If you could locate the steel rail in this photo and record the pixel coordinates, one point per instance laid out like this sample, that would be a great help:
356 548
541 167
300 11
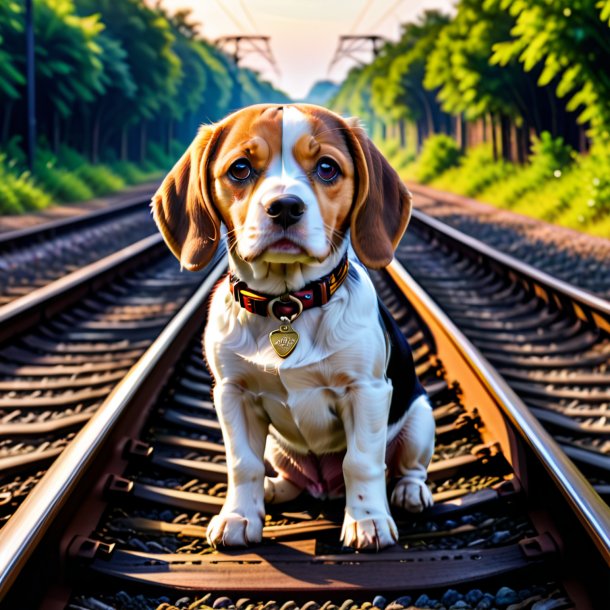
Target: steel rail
599 307
591 510
19 537
23 313
24 237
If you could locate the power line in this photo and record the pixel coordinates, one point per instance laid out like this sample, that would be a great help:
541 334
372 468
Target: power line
385 15
360 16
231 16
248 14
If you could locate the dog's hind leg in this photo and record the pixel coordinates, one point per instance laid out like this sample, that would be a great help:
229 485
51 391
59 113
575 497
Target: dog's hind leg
279 488
412 456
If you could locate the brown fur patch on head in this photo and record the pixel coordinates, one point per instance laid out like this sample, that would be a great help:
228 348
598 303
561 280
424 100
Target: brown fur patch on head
256 135
326 141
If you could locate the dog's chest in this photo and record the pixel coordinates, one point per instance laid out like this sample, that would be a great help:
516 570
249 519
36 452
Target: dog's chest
304 395
305 410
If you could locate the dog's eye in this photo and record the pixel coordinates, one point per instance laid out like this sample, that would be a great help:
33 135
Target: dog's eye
240 170
327 170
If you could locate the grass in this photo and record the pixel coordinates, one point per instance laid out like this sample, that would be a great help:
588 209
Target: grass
557 185
68 177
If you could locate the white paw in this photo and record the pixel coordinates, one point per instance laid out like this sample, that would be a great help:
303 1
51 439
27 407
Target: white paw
373 533
412 495
233 529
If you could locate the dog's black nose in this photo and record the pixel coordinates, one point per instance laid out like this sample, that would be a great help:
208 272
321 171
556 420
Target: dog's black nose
285 210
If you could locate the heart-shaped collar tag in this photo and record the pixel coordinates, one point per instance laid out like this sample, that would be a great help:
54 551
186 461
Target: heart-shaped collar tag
284 340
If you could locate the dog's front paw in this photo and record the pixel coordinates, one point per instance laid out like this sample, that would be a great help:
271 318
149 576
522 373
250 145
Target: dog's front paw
372 533
412 494
233 529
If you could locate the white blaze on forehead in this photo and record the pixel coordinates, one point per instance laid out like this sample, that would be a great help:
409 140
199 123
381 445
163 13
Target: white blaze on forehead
294 126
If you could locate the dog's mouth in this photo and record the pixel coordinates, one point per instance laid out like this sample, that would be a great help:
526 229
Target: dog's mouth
285 246
284 250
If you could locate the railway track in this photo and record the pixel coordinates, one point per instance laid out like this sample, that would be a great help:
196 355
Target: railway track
567 254
32 258
548 339
119 521
65 346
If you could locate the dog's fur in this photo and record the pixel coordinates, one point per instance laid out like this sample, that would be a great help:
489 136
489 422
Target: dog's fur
330 398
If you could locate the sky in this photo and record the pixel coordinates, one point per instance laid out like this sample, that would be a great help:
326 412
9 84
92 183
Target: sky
304 33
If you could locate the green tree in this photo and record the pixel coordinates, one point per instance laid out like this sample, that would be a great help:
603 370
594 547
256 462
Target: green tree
567 42
11 62
68 62
401 93
147 39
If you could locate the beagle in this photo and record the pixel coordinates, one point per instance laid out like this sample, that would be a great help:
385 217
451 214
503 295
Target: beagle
295 337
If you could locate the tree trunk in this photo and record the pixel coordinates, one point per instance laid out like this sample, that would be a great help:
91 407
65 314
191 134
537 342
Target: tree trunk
521 143
95 138
505 137
401 133
6 121
56 132
420 136
143 142
494 137
170 136
460 132
124 143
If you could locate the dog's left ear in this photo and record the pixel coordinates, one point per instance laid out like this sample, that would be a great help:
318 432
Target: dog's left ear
182 206
382 203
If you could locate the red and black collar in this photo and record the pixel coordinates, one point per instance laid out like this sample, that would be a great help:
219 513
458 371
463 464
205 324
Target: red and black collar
312 295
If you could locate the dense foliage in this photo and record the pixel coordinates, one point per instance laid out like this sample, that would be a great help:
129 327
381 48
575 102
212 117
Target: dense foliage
118 83
520 86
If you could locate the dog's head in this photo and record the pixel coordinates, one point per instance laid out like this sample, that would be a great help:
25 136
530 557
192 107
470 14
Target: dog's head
288 182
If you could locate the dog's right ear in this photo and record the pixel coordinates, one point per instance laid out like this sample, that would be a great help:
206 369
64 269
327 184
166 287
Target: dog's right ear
182 206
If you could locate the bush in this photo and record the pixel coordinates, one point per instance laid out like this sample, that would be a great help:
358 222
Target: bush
129 171
556 186
476 172
159 158
550 158
439 153
18 192
99 178
61 184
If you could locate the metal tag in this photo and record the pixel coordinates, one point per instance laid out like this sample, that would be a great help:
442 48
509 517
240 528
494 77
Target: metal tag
284 340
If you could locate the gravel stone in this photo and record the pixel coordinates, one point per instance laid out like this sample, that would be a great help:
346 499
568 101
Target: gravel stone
380 602
474 596
506 596
450 597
